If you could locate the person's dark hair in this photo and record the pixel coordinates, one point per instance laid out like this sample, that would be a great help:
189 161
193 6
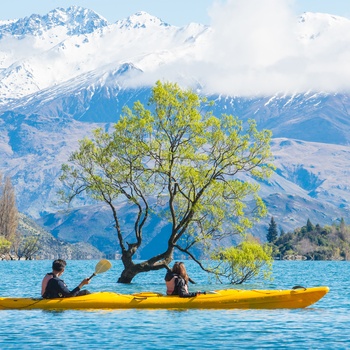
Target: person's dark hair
59 265
175 268
182 271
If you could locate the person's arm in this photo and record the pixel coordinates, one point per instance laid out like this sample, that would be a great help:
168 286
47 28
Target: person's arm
66 293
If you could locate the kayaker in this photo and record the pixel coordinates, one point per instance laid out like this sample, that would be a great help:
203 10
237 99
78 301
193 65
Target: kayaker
177 281
49 275
170 278
54 287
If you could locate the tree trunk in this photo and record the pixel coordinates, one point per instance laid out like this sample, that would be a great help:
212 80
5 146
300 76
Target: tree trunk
153 264
128 274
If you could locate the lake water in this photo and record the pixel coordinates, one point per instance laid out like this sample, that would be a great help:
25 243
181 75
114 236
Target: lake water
321 326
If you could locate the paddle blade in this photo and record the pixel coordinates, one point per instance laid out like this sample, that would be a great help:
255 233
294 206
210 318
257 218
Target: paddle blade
102 266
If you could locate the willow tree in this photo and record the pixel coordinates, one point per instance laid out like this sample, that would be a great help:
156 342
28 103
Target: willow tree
247 260
178 162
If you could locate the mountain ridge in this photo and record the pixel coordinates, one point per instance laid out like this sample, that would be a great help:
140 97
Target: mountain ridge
76 19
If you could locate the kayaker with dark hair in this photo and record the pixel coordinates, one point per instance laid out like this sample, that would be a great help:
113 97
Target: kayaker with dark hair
54 287
170 278
177 281
58 263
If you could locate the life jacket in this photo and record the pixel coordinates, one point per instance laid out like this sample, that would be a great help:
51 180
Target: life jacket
54 288
180 284
171 281
44 282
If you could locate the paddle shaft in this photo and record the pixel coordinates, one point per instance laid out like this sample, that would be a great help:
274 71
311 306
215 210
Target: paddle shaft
102 266
94 274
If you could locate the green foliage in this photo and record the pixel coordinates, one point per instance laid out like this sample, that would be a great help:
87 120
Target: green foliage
316 242
5 246
239 264
174 161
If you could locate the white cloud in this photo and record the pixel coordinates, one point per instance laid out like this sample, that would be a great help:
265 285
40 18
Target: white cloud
260 47
250 38
253 47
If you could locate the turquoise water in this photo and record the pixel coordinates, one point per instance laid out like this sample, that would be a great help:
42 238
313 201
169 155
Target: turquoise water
322 326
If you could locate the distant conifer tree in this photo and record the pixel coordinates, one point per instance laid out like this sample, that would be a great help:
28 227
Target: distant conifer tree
309 226
272 231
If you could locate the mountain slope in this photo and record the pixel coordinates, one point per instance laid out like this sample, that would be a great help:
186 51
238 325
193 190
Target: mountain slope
52 248
66 73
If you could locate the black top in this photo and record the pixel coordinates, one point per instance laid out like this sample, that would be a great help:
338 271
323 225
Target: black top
181 290
56 288
180 285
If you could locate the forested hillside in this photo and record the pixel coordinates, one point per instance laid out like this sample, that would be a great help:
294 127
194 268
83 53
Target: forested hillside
311 242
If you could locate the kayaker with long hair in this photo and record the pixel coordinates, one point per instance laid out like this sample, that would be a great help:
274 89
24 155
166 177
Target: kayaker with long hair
170 278
176 281
54 287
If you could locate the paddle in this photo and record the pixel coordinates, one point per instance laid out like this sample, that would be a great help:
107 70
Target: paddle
102 266
208 292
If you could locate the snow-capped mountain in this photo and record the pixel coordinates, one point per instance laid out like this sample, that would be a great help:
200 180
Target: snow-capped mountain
56 48
65 73
73 21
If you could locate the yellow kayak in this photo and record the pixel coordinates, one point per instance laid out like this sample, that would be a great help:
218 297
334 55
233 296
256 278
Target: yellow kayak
219 299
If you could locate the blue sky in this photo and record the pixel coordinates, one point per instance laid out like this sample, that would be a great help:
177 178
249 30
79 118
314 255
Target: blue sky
179 12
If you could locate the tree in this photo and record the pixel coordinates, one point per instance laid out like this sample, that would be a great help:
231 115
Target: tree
309 226
241 263
8 210
28 247
272 233
24 246
175 162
